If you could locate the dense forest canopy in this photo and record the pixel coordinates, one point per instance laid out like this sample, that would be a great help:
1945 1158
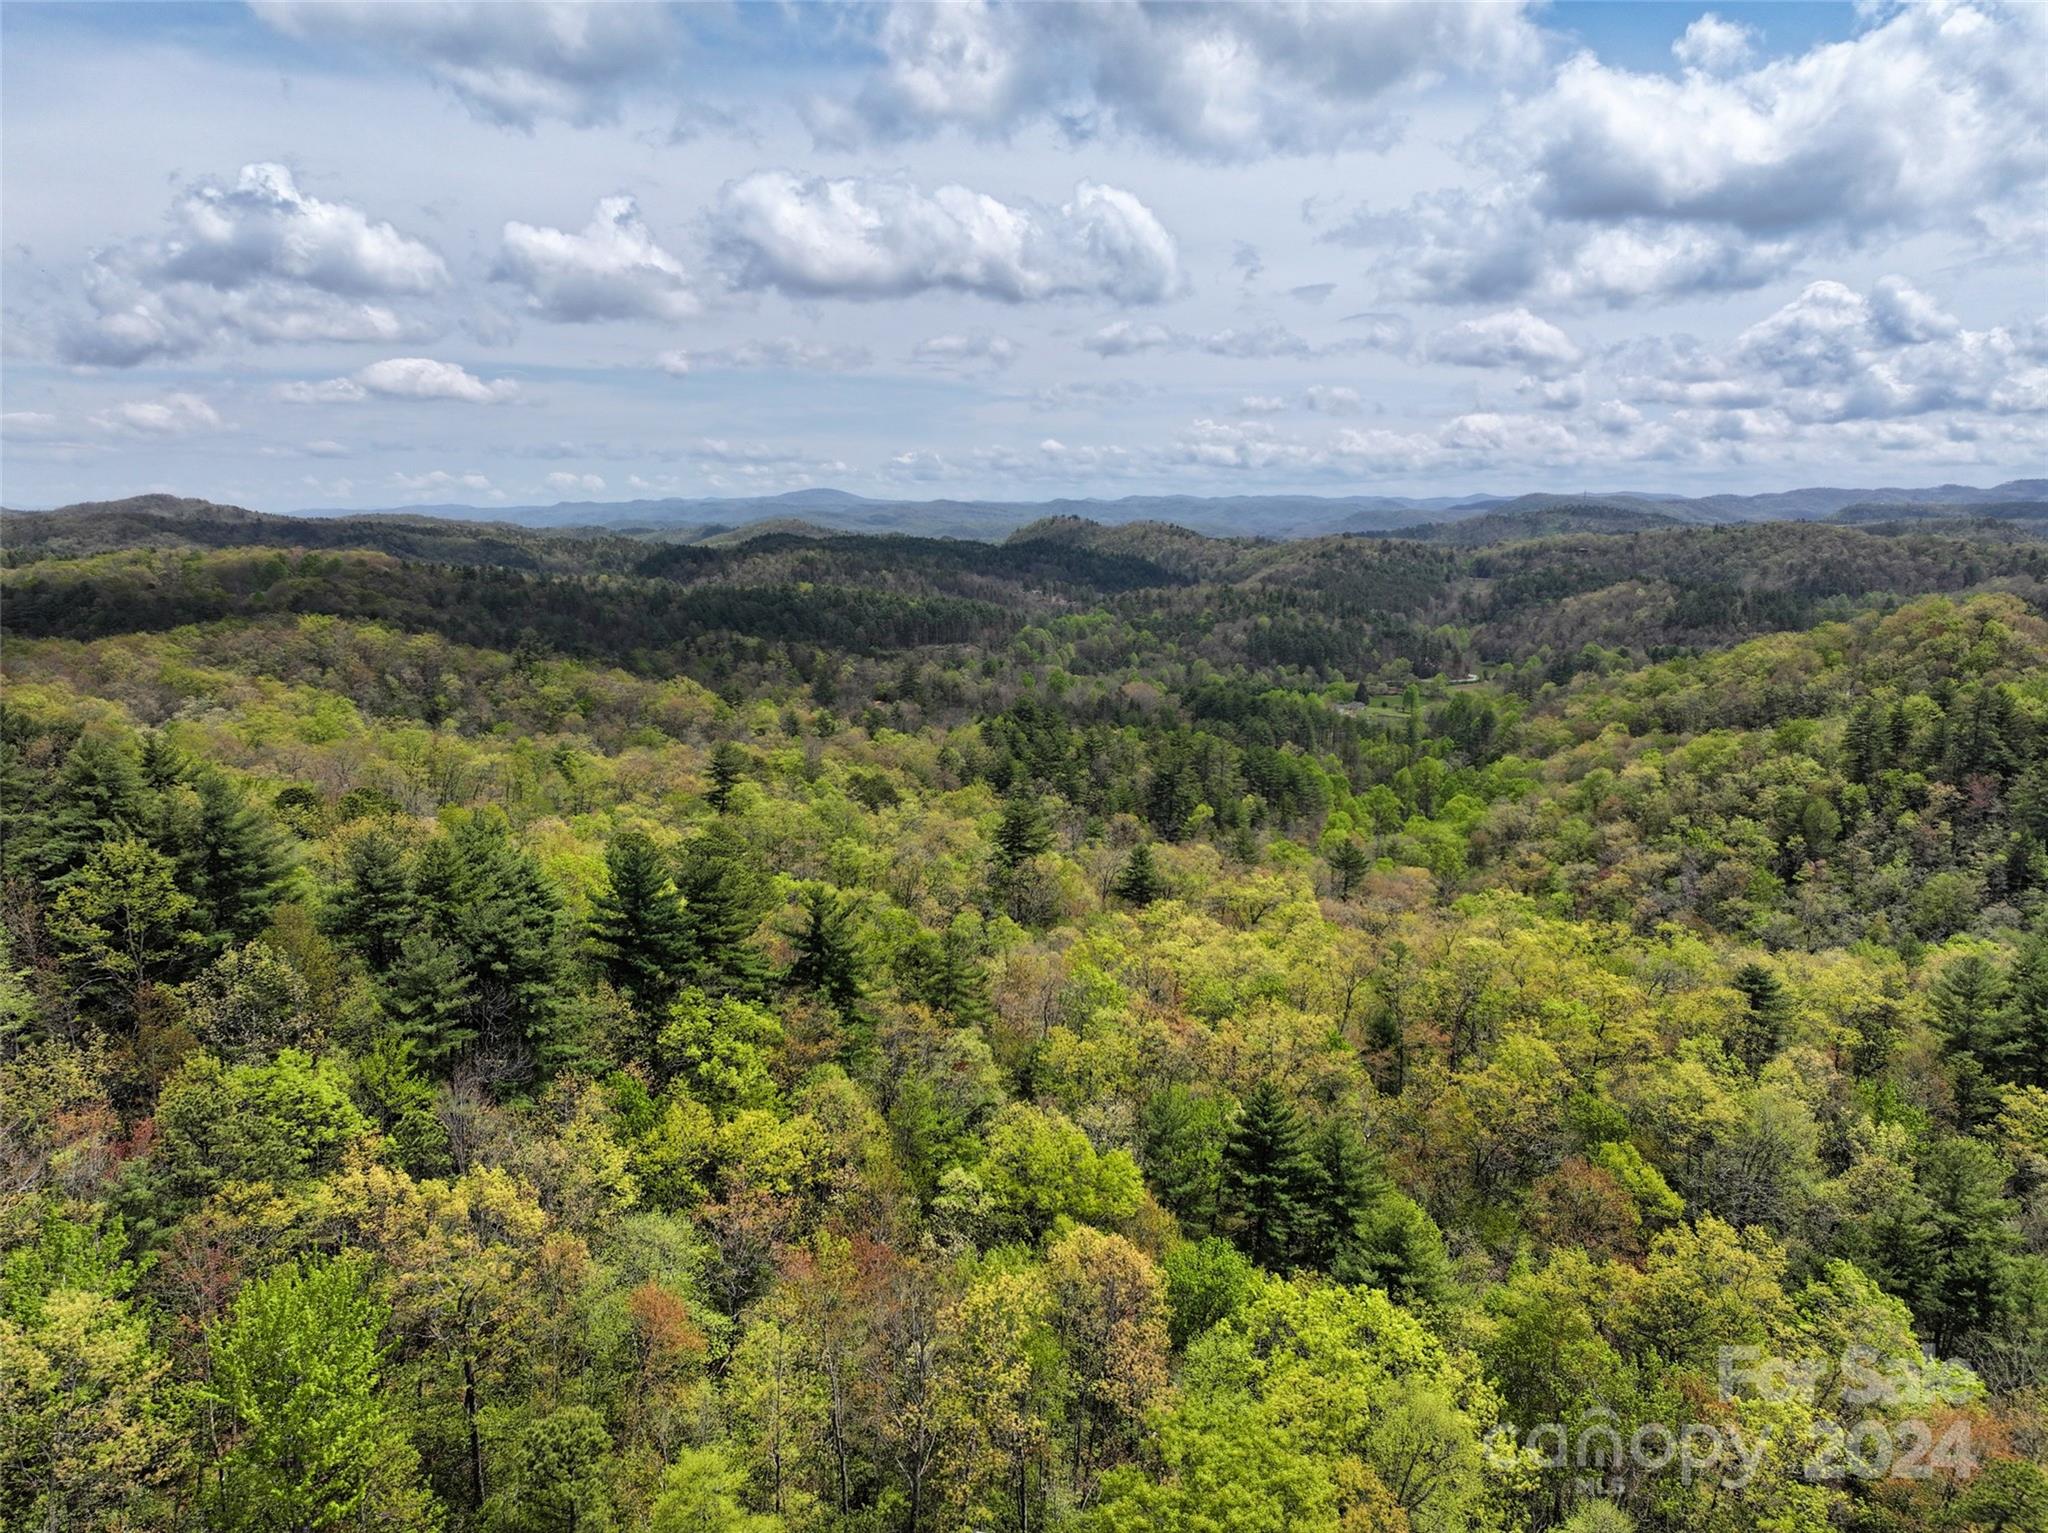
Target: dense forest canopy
1111 1030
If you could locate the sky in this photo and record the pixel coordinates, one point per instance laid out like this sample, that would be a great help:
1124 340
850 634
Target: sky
362 255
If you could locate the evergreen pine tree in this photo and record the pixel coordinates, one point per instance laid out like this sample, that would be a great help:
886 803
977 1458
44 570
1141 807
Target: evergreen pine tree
636 924
724 898
1972 1007
2027 1014
728 766
941 971
232 860
828 958
1351 1182
427 994
1972 1239
1767 1009
1397 1246
1349 862
477 890
371 910
164 766
1139 882
1272 1183
1022 833
99 797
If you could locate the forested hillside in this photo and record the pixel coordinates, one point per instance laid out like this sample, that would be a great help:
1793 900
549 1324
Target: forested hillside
1115 1030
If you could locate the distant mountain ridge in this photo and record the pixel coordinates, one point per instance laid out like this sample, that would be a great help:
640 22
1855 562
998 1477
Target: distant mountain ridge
1276 516
824 511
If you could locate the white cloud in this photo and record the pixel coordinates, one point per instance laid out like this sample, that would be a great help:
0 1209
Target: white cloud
259 261
869 238
1619 187
613 269
1218 82
511 64
1715 45
329 391
979 348
566 483
1832 356
1266 341
174 414
1333 400
783 354
1512 338
424 378
1124 337
441 482
403 378
30 425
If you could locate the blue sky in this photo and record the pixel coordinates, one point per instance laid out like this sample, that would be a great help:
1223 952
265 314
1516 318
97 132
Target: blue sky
365 255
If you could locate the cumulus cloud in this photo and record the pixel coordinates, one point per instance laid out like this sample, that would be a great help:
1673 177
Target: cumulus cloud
1833 355
174 414
781 354
979 348
403 378
567 483
514 65
1513 338
868 237
1125 337
1214 81
613 269
258 260
1333 399
1618 187
1714 44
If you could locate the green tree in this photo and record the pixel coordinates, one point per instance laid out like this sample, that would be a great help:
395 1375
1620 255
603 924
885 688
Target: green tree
1139 881
232 860
1273 1185
489 897
637 927
829 959
90 1433
729 763
702 1492
1971 1236
1349 862
122 924
724 1048
1021 833
553 1474
940 970
2027 1013
1766 1011
725 895
279 1121
1971 1005
371 911
428 995
1395 1245
309 1444
99 797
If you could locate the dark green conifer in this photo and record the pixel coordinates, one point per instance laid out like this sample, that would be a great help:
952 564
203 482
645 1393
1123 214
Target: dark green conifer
1139 882
1273 1185
636 924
